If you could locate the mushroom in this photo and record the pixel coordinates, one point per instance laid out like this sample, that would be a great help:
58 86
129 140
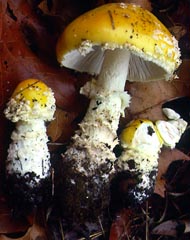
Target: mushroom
141 141
114 42
31 105
141 144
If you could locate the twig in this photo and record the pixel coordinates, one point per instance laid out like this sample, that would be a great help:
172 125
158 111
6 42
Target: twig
53 182
93 236
165 209
101 226
61 230
147 221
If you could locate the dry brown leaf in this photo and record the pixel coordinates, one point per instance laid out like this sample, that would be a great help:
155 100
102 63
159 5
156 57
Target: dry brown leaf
166 157
7 222
60 129
33 233
120 228
147 98
67 10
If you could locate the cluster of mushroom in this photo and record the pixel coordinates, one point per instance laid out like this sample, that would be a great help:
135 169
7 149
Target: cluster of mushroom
115 42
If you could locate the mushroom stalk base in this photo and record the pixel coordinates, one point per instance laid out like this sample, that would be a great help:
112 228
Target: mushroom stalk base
143 169
87 164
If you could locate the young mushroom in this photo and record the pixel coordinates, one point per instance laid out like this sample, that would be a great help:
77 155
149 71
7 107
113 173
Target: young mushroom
141 141
31 105
141 144
114 42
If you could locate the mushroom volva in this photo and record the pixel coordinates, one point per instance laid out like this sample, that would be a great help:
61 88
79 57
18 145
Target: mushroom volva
114 42
31 105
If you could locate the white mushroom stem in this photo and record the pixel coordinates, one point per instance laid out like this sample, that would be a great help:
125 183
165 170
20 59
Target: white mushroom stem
114 70
28 151
97 135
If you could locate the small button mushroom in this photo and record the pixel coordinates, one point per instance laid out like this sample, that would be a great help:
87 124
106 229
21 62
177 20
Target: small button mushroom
141 144
31 105
141 141
180 105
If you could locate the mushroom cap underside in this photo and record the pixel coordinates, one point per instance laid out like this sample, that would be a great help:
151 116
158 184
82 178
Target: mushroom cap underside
154 50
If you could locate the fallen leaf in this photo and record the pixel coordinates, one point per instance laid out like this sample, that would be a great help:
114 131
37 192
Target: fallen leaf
147 98
120 228
33 233
66 10
61 128
171 228
7 222
167 156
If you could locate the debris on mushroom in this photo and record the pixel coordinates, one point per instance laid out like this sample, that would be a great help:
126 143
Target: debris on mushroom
171 131
179 108
180 105
31 105
115 42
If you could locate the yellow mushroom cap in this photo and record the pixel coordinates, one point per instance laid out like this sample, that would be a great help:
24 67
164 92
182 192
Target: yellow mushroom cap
118 25
142 135
31 99
31 90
